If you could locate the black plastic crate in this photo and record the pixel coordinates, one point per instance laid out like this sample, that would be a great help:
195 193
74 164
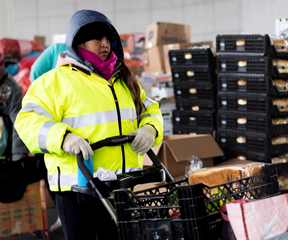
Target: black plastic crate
197 56
195 105
250 141
250 121
196 91
177 211
253 44
193 74
249 64
178 129
202 118
249 102
258 83
246 155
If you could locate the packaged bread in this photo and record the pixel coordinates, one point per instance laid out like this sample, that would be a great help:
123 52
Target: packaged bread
281 85
279 140
277 160
213 176
283 182
281 103
282 65
280 45
279 121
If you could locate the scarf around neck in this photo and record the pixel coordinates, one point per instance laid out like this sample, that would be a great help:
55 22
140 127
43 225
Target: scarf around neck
105 68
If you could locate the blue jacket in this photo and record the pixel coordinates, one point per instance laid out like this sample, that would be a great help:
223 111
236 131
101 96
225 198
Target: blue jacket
47 60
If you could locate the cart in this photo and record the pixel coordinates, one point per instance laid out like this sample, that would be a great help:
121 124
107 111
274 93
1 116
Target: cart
28 215
172 211
104 189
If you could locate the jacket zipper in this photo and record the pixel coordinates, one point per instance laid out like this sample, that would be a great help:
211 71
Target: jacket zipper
120 125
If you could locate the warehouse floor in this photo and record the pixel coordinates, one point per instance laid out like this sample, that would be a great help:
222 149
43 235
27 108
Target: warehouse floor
56 235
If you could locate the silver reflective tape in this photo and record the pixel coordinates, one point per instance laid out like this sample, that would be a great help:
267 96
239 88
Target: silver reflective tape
37 109
100 117
151 115
148 101
42 136
65 180
72 179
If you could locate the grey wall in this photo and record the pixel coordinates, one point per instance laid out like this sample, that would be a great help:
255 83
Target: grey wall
207 18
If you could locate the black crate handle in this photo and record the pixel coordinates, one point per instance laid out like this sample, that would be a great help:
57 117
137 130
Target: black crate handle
116 141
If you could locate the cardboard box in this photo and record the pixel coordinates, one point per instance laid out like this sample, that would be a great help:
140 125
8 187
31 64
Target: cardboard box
174 150
161 33
281 26
141 187
153 60
24 215
167 106
177 46
39 39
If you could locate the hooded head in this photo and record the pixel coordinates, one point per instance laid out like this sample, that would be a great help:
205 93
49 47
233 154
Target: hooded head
86 25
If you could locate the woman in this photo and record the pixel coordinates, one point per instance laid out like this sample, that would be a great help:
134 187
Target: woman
90 95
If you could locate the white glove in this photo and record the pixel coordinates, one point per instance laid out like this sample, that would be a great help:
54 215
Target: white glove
144 139
73 144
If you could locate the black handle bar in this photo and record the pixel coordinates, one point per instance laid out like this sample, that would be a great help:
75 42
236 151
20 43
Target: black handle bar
116 141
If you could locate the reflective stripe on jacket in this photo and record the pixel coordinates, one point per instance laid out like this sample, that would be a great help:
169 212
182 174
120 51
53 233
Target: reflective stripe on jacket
68 99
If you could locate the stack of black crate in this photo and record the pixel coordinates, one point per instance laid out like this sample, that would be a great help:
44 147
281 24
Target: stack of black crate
247 98
194 82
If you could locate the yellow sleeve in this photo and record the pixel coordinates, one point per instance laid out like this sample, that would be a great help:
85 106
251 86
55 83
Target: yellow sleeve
39 121
152 115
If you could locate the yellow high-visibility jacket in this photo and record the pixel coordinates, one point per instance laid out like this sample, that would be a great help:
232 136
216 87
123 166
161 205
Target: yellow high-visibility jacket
68 99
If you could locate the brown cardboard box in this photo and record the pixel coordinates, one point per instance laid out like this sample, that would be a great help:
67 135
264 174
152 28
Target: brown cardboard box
153 60
174 150
161 33
141 187
39 39
24 215
177 46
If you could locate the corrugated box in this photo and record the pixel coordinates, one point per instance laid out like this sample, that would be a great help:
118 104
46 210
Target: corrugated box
161 33
177 46
174 150
24 215
153 60
39 39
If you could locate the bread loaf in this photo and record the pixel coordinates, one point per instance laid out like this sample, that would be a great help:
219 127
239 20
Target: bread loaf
279 121
279 140
280 45
281 103
281 85
282 65
218 175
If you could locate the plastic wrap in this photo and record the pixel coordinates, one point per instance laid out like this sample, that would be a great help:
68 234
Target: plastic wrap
195 165
218 175
105 174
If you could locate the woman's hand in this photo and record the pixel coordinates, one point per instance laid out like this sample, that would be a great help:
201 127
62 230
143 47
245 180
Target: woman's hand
73 144
144 139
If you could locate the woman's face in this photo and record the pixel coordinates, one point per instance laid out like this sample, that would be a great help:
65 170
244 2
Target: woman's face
101 47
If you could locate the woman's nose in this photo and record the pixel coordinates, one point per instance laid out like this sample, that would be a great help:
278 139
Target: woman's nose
104 42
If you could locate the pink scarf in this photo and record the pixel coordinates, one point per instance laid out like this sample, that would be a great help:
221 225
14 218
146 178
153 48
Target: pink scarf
105 68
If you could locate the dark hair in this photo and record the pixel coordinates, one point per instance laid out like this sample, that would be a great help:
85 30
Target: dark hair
131 82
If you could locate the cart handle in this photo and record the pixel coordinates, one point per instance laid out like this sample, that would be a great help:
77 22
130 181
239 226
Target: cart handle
116 141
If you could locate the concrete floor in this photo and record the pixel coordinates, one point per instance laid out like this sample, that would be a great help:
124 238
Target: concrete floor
56 235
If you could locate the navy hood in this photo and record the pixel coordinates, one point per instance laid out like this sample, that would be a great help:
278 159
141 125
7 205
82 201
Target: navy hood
82 18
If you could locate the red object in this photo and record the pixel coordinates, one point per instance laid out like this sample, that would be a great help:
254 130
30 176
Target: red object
10 46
